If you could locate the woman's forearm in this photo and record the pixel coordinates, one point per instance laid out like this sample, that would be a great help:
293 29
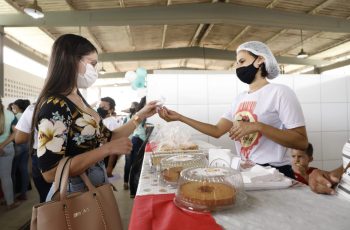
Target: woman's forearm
80 163
125 130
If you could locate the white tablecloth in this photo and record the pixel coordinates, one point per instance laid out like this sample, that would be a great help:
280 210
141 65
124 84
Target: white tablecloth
292 208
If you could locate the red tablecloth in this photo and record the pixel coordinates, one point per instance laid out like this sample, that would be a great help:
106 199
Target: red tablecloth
158 212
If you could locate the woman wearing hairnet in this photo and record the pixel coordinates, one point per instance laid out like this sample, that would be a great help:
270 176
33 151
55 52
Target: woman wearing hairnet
264 121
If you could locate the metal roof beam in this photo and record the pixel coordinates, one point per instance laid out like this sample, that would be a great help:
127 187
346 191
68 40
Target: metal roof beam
333 66
191 52
24 51
207 13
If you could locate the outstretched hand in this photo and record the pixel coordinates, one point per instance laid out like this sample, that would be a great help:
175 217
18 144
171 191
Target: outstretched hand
168 115
148 110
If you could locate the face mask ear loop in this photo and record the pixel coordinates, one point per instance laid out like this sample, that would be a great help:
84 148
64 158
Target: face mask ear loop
85 64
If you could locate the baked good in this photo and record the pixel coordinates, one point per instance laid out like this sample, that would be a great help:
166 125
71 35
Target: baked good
189 146
206 189
171 166
166 147
172 174
209 194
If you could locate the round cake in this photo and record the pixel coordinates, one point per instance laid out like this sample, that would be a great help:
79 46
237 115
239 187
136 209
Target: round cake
208 193
206 189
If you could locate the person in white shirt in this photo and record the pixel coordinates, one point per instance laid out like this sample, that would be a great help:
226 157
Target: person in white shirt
106 110
264 121
23 131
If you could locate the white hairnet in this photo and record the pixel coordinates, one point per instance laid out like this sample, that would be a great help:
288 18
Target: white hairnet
260 49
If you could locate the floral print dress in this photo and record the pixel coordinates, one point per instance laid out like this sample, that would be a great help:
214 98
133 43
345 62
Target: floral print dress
65 130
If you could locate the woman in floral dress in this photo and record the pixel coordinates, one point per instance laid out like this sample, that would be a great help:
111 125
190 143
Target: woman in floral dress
68 126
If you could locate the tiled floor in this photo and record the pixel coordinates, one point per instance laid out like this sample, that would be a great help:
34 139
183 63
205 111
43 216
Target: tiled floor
16 218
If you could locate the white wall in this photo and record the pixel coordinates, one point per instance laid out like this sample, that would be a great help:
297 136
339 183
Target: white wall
206 95
19 84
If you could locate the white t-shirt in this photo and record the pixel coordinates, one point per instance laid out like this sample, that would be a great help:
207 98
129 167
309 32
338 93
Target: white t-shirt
112 123
275 105
24 124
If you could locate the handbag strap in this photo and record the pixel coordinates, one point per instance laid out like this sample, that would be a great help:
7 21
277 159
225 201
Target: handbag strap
59 173
62 175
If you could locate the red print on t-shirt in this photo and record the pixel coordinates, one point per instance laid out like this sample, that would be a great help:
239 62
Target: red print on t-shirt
245 113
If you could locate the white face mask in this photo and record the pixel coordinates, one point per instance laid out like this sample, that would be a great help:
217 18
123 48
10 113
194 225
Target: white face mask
88 78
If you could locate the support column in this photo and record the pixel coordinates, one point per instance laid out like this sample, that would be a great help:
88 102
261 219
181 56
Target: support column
2 76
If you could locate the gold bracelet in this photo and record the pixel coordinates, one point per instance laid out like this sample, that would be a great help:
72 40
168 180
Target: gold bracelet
135 120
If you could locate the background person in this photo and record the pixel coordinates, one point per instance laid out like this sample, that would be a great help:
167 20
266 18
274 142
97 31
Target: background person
300 163
23 130
128 159
263 121
20 171
105 110
7 153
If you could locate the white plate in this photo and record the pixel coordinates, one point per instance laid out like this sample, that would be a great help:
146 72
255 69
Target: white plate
285 183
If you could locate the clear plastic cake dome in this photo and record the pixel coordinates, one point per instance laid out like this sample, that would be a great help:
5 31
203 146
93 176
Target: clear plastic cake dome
171 166
206 189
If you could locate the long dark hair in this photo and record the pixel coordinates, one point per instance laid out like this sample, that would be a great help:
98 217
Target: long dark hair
141 104
63 69
22 104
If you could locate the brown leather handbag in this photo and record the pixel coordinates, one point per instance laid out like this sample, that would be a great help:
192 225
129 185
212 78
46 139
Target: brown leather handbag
94 209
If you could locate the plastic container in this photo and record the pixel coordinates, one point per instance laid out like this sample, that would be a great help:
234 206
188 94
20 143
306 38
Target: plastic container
208 189
172 166
156 158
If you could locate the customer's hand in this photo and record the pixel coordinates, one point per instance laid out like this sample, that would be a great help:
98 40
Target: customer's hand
322 181
148 110
118 146
168 115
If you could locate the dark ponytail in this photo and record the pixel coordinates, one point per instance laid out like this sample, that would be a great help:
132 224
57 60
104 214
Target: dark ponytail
264 72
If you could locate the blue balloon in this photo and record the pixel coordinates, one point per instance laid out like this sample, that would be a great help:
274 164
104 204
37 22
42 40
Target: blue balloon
139 82
141 72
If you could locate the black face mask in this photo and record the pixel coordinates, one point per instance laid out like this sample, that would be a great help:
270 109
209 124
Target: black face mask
247 73
102 112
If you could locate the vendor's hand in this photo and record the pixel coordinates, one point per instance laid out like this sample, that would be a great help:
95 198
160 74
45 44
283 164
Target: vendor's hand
148 110
323 181
241 128
118 146
168 115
